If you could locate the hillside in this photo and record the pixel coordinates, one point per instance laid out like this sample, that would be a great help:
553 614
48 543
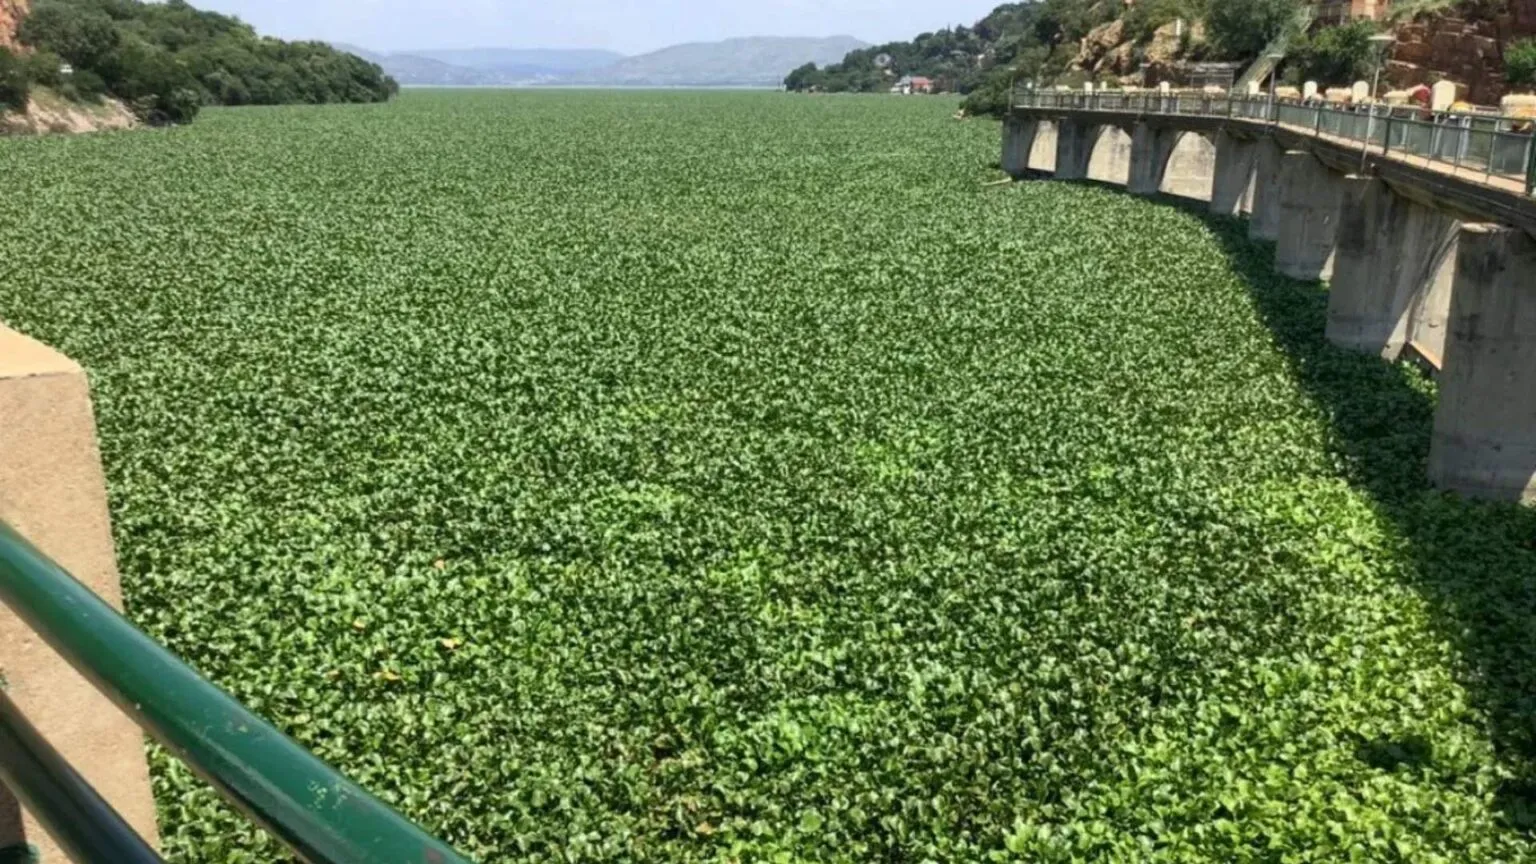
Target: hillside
756 61
166 60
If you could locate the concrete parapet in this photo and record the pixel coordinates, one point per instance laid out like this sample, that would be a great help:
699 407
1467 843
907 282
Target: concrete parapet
1074 147
1393 270
1110 161
1309 214
1233 188
53 492
1484 442
1264 219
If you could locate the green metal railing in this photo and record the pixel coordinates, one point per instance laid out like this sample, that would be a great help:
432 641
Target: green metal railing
1492 145
319 814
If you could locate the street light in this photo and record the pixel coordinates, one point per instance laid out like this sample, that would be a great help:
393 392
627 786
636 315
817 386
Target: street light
1274 78
1379 44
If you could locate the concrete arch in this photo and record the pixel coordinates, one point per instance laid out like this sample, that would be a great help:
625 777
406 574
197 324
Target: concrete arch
1110 159
1191 167
1042 151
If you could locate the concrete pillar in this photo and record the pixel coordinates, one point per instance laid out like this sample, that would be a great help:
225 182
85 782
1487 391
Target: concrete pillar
1150 148
1110 161
1042 153
1391 255
1074 146
1309 215
1264 221
1484 442
1018 140
53 492
1232 191
1191 167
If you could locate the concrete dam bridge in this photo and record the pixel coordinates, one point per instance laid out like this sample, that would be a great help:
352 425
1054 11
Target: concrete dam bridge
1421 226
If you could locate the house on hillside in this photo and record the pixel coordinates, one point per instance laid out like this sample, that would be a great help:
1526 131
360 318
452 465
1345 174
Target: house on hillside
1342 11
910 84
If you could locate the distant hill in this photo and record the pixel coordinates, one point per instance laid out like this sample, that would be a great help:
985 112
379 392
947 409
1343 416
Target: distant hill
754 61
483 66
524 62
417 70
760 61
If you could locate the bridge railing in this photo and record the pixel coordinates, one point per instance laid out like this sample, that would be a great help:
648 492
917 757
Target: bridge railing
1492 145
323 817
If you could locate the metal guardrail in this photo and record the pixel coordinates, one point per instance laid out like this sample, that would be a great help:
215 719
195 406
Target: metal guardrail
319 814
1488 144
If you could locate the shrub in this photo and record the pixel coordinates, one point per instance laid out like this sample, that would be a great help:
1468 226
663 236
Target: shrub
15 84
1520 64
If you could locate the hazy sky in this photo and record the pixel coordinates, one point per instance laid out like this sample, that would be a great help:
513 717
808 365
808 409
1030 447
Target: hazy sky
630 26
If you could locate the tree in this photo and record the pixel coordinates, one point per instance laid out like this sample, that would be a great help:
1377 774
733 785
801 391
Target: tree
1337 55
1241 29
1520 64
81 35
803 78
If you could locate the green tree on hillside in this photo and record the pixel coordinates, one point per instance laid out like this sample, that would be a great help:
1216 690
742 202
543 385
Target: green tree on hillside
1241 29
167 59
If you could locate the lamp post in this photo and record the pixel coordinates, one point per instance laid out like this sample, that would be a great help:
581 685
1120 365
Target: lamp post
1379 44
1274 59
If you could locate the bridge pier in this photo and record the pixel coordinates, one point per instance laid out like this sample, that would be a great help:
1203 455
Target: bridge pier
1150 148
1074 147
1264 220
1309 215
1393 269
1484 442
1018 141
1232 190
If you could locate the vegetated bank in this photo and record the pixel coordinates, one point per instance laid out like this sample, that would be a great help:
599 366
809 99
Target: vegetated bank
1484 44
595 504
166 60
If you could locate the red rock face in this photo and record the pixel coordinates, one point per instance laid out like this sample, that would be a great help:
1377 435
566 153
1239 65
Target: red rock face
1462 44
11 13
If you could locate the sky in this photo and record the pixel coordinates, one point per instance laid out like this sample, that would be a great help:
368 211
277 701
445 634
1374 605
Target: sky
626 26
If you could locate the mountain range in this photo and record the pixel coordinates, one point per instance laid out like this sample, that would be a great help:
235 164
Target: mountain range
760 61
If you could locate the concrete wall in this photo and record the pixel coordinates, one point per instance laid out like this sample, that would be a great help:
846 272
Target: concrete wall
1233 188
1264 220
1110 161
1393 271
1484 442
1191 168
1309 215
52 490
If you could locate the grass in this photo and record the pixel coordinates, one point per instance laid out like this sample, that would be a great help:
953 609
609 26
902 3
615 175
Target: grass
734 477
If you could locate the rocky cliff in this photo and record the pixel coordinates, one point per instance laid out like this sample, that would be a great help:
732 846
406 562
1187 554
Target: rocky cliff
11 12
1463 43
